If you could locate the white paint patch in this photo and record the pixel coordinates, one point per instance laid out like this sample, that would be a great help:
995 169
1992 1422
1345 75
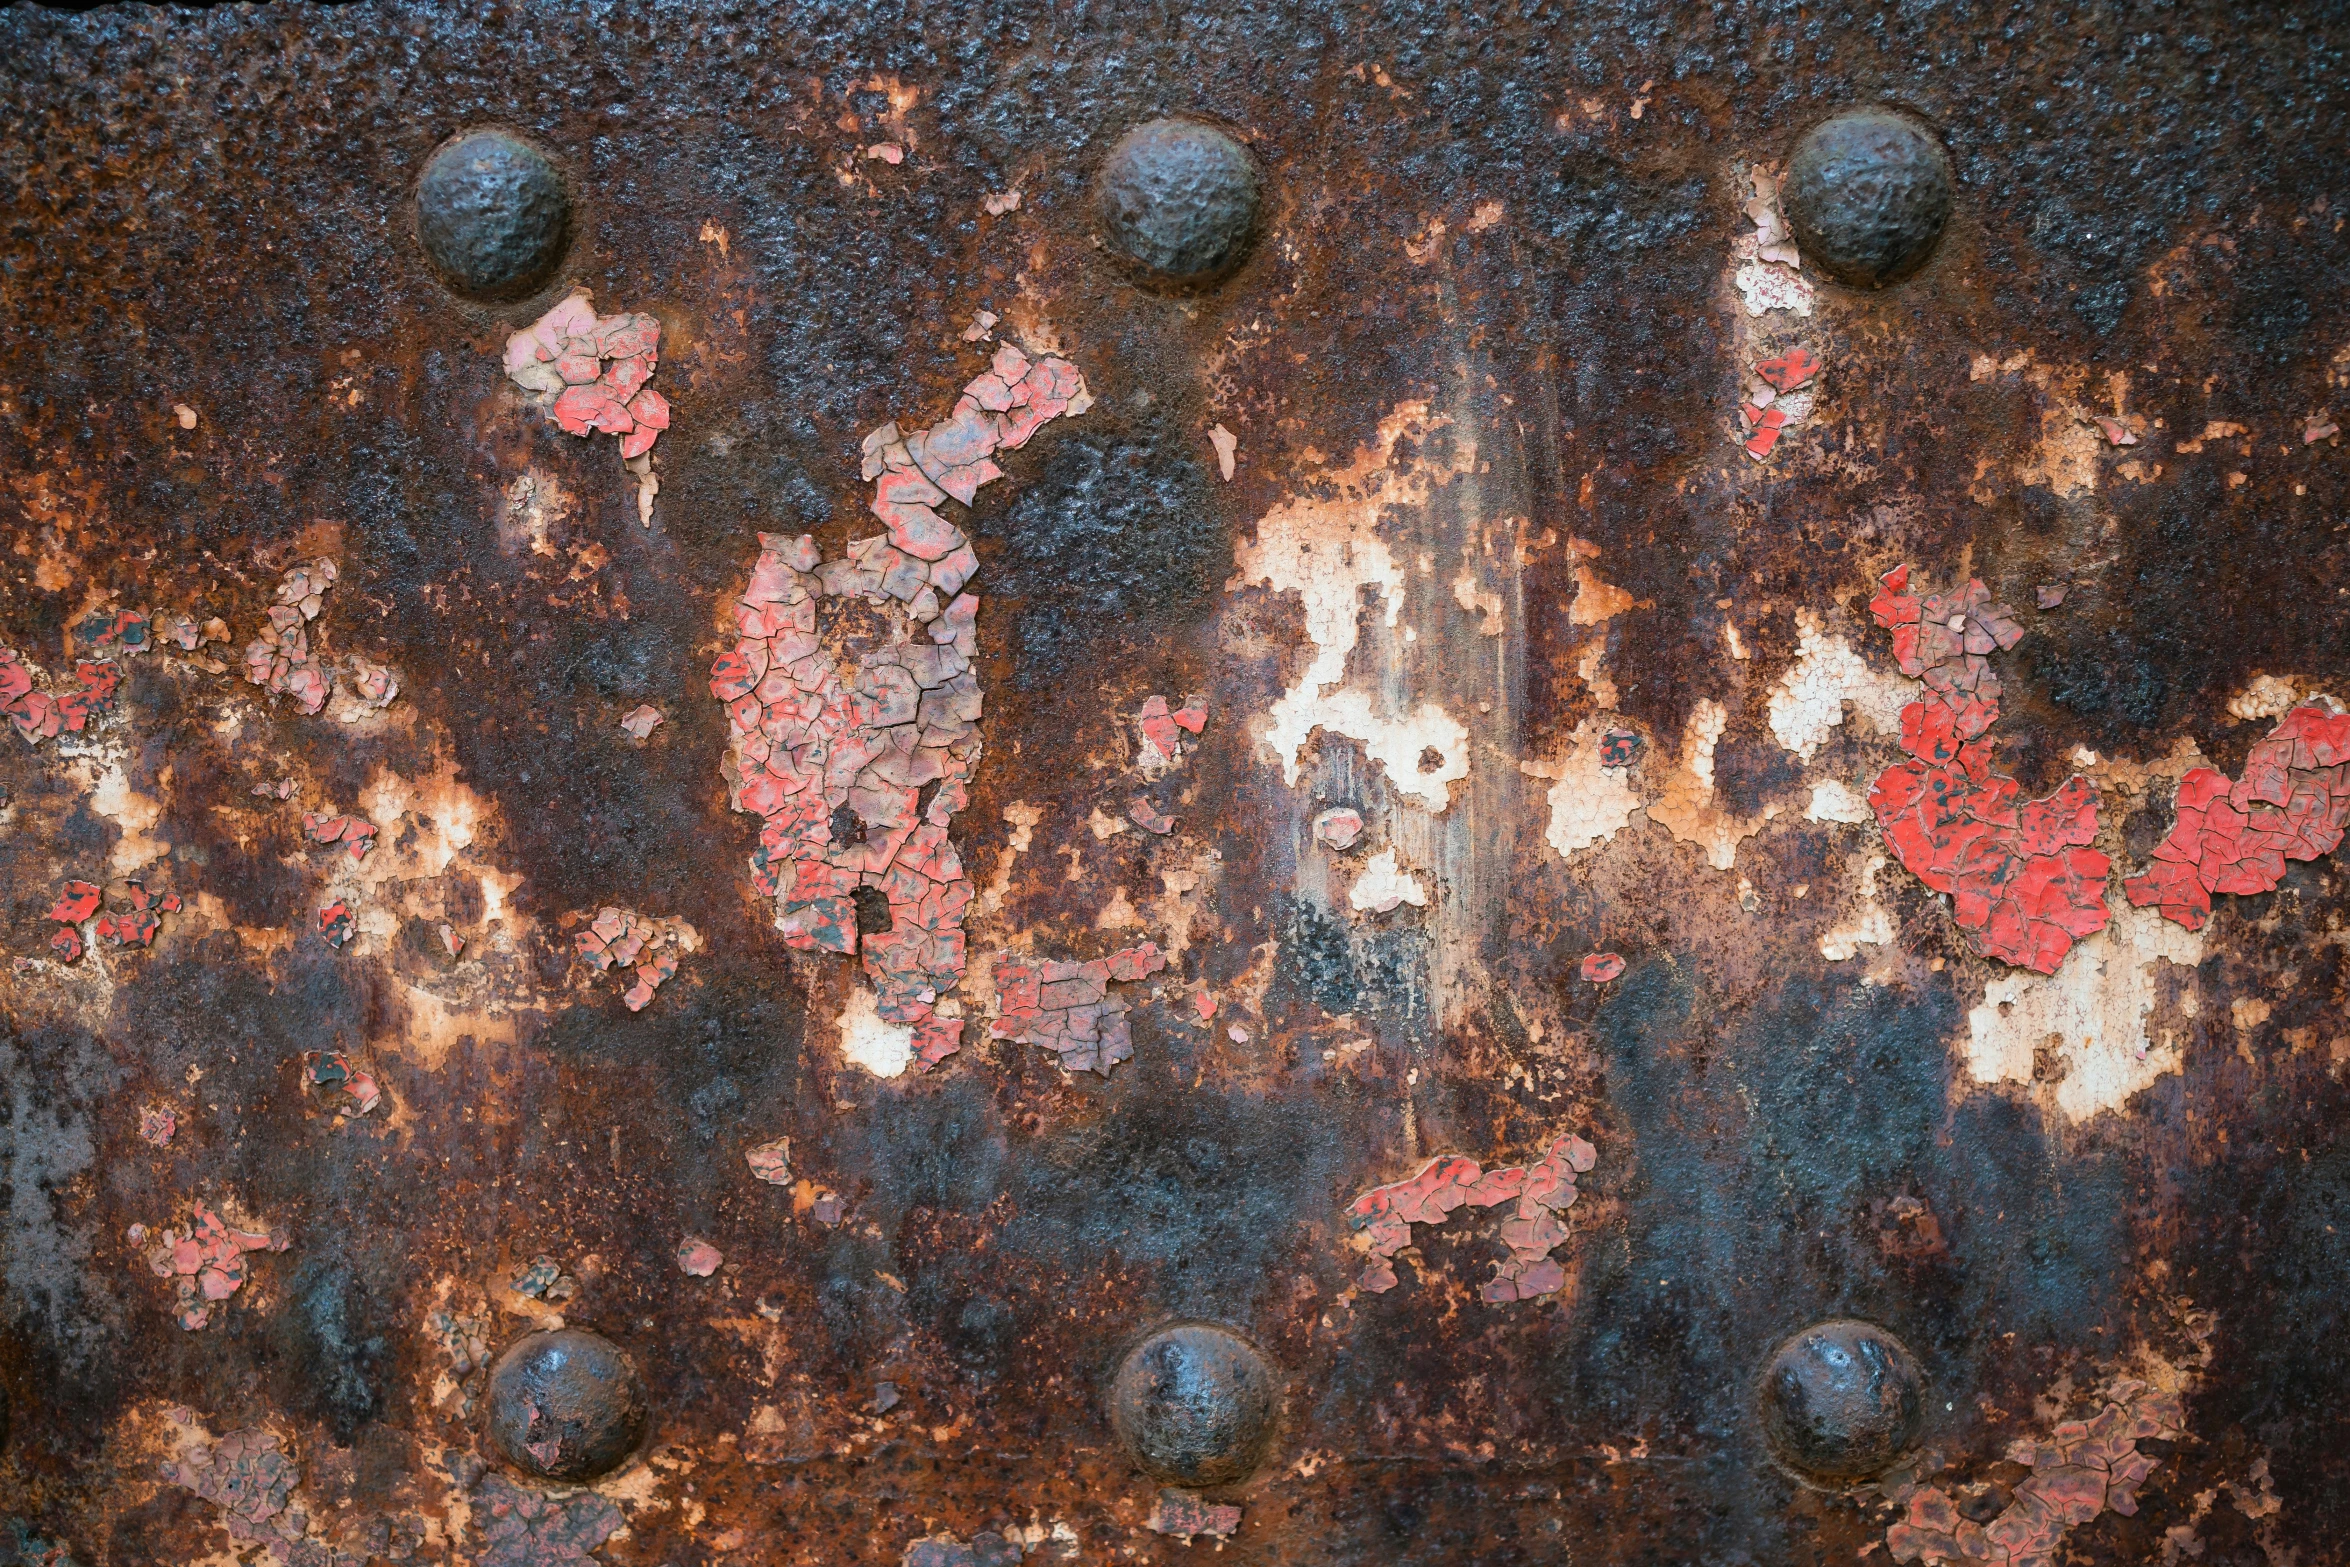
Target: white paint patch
2268 696
1325 547
2092 1011
1809 699
1589 804
1383 885
1869 924
868 1040
1835 801
112 797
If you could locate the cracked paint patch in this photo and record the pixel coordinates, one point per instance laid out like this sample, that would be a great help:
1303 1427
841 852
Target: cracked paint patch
2023 882
698 1258
589 372
158 1124
42 715
205 1262
1591 797
1600 967
854 707
1769 269
248 1476
355 832
519 1528
1068 1008
644 947
1384 886
1383 1216
771 1161
2235 836
279 659
1808 702
332 1072
1686 807
2087 1027
1338 828
1163 730
1185 1515
1323 545
1870 923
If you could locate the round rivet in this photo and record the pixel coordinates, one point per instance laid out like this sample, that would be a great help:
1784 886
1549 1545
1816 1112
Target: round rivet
1180 200
566 1405
1867 194
1194 1404
493 214
1841 1400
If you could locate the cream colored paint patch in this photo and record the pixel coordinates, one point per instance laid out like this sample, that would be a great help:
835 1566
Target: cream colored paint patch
1589 804
1384 885
1022 818
2092 1011
1836 801
112 797
1686 808
1809 699
869 1040
1868 924
2268 696
1326 549
1595 602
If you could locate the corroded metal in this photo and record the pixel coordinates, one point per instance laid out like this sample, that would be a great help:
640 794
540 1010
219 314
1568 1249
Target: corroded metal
1867 194
493 214
1842 1401
875 794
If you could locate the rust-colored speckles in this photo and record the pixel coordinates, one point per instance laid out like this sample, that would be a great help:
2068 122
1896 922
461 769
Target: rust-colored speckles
589 372
1183 1514
206 1263
1544 1191
331 1072
2085 1468
1068 1008
1600 967
2023 882
771 1161
855 709
698 1258
356 833
2235 837
519 1528
643 947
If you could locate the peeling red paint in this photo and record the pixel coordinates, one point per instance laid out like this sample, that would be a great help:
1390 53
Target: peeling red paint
1766 425
41 715
206 1263
1339 827
771 1162
66 945
2320 427
1620 747
336 924
623 938
1600 967
1790 369
332 1070
589 372
520 1528
252 1481
2290 804
2024 884
1183 1515
2048 595
355 831
76 903
1544 1192
698 1257
1163 728
1068 1007
2115 432
640 721
2086 1468
279 660
843 723
1149 817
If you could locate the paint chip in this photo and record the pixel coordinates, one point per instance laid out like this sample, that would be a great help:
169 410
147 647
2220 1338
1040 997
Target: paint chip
1226 444
1339 827
590 372
1383 1216
1383 886
1068 1007
1600 967
641 721
698 1257
771 1162
1185 1515
206 1263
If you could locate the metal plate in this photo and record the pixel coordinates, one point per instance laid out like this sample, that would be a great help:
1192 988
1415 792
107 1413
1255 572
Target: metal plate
1436 479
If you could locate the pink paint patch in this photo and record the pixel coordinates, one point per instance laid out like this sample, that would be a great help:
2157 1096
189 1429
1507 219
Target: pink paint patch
206 1263
1600 967
2115 432
589 372
1149 817
771 1162
698 1257
640 722
357 833
1790 369
1183 1515
2023 882
1543 1191
1068 1008
2235 837
1338 828
157 1125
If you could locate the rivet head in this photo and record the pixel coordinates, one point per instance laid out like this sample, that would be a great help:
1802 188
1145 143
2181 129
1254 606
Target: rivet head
1194 1404
493 214
1841 1401
1180 201
1867 193
566 1405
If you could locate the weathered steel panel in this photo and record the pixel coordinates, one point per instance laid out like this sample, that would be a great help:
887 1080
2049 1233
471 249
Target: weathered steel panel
1382 785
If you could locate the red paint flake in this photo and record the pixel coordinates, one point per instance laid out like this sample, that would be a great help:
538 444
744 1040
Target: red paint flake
2048 595
622 938
1192 716
698 1257
2086 1468
1068 1008
116 630
332 1070
1790 369
130 927
1339 827
771 1162
1183 1515
1619 748
375 684
157 1124
40 715
1204 1004
76 903
66 945
2023 882
2116 433
875 732
2291 804
1766 424
356 831
1600 967
1149 817
1163 729
279 660
589 372
451 941
1544 1191
519 1528
640 721
206 1263
335 923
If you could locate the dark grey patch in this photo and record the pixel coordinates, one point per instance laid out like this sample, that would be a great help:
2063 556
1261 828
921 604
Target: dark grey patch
566 1405
1194 1404
1841 1401
1180 201
493 214
1867 194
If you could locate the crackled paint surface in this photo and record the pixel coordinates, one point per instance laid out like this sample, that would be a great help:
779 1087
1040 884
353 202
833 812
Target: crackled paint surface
1543 1191
1069 1008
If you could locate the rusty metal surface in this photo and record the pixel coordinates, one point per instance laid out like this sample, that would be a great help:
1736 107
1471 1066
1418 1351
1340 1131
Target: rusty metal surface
1445 482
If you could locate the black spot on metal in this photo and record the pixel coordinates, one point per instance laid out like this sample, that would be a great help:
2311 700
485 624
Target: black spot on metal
493 214
1181 201
1867 194
1841 1400
1194 1404
566 1405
